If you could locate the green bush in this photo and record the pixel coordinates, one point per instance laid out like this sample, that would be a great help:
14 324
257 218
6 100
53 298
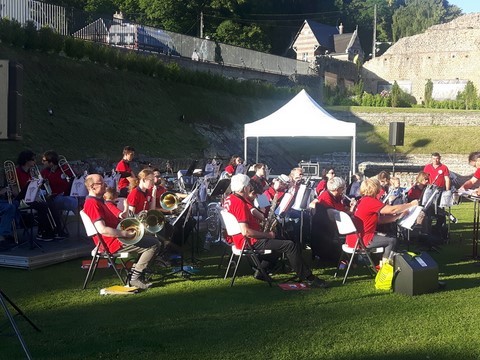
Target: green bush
31 40
74 48
48 40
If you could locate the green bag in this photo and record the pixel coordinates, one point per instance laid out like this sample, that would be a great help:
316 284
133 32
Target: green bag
384 277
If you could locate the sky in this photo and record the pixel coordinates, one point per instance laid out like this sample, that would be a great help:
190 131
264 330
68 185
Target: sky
467 6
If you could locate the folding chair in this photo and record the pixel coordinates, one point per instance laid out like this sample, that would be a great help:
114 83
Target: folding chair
232 227
101 252
346 226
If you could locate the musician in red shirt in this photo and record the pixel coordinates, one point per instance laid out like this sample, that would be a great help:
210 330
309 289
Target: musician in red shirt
232 165
416 191
142 196
237 204
369 212
322 185
126 172
58 182
260 176
106 224
473 160
439 174
332 196
49 222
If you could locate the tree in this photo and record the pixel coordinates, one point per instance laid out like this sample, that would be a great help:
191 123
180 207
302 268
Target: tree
469 95
418 15
428 93
250 37
396 93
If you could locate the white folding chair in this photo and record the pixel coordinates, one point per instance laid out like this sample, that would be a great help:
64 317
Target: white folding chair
346 226
101 252
232 227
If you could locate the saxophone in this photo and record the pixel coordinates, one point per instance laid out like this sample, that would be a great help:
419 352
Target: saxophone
271 221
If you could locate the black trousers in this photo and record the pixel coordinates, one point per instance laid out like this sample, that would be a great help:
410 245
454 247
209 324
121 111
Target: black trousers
292 250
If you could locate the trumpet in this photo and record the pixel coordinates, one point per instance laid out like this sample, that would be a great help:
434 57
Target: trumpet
153 220
131 224
65 168
169 201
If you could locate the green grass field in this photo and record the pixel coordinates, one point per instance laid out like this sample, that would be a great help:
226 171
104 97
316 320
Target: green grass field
204 318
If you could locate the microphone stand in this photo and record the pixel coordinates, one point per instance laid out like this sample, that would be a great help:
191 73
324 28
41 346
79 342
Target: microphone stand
3 299
187 211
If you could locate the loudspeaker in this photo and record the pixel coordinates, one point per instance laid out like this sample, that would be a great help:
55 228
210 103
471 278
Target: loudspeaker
3 99
415 275
15 100
396 134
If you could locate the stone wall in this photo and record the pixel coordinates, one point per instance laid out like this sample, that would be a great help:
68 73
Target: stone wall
445 52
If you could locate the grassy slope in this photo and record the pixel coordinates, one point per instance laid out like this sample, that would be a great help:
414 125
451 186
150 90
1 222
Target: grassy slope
98 110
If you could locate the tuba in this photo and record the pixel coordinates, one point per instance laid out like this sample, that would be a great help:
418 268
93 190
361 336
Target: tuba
131 224
169 201
153 220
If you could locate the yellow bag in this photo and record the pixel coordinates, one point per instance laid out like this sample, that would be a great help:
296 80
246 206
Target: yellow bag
384 277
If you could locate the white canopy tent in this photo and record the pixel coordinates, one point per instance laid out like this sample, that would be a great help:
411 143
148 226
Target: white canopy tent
301 117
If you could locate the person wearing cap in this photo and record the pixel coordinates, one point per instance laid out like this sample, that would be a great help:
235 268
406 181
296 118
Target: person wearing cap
239 205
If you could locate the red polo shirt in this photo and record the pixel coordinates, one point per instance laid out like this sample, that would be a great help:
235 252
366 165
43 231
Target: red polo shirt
240 208
57 181
97 210
365 219
435 177
123 167
139 200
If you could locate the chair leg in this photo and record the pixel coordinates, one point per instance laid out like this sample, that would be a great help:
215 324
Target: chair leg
348 267
112 263
229 265
91 270
342 256
236 268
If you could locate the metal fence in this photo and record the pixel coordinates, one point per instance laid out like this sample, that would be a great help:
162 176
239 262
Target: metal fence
39 13
147 38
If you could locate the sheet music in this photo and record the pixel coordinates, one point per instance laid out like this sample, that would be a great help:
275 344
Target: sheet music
410 218
261 201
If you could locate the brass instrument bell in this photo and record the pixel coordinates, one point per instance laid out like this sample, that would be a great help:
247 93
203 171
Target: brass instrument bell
131 224
169 201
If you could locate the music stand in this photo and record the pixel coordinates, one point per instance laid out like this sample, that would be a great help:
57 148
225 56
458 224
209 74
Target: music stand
3 299
220 188
183 219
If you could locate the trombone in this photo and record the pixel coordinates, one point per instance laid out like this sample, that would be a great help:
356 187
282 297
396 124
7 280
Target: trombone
36 176
66 168
12 183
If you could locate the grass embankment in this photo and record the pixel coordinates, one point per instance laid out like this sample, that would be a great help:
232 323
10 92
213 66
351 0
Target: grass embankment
205 319
97 110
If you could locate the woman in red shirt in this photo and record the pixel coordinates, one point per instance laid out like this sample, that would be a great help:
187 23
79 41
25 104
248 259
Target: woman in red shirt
370 212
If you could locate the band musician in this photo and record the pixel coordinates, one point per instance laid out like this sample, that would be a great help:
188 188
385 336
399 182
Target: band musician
49 221
125 171
260 176
473 160
106 224
439 176
239 204
324 240
370 212
58 181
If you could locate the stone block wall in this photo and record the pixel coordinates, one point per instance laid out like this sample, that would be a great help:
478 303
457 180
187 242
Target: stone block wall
443 52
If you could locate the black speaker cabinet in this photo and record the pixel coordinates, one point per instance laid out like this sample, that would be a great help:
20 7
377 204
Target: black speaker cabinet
396 133
416 275
15 101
